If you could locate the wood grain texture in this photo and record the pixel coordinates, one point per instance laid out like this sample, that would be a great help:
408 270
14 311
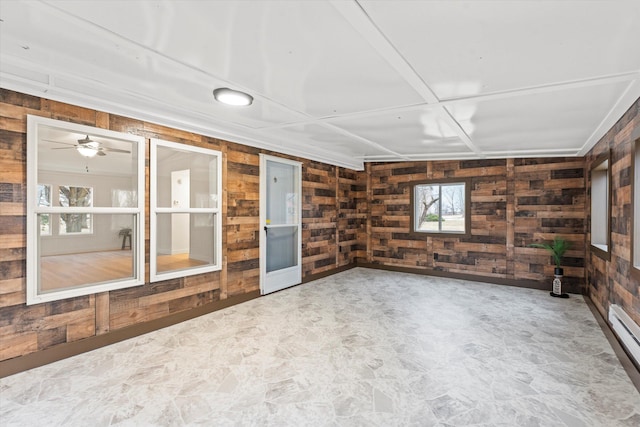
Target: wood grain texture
319 218
26 329
513 203
348 217
611 282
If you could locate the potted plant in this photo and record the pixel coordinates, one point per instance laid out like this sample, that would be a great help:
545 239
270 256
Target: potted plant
557 249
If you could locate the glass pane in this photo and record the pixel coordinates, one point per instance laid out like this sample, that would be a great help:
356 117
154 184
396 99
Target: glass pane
453 208
282 248
184 241
75 223
44 199
110 165
44 195
186 179
75 196
122 198
600 206
282 198
76 261
427 207
45 224
636 208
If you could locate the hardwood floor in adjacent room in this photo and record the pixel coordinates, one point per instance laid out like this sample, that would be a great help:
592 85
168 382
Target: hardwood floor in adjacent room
67 271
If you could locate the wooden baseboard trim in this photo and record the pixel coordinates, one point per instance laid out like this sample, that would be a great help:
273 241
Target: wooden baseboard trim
633 370
63 351
312 277
530 284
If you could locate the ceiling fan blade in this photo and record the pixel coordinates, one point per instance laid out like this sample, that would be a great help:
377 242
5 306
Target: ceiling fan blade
59 142
101 153
116 150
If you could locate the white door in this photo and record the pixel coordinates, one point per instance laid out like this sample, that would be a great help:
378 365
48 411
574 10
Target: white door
280 223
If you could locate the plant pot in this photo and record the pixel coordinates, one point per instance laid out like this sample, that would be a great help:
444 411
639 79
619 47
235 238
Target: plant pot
557 283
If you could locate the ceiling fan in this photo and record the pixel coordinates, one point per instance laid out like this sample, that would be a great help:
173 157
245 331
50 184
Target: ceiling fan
88 147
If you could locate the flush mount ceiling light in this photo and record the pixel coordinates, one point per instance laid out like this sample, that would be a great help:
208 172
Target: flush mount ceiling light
89 149
232 97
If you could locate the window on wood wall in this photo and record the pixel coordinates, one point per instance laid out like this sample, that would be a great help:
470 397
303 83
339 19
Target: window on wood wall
74 227
186 223
441 207
635 212
600 207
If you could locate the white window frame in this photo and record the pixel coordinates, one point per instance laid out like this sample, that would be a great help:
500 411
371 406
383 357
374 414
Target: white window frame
33 249
154 276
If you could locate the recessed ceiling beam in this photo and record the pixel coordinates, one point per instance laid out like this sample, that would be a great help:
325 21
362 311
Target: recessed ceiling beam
361 22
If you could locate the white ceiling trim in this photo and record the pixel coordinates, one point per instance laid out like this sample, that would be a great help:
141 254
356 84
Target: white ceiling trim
51 91
631 93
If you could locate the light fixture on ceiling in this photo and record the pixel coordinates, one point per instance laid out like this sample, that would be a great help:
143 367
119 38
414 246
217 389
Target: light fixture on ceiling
89 149
232 97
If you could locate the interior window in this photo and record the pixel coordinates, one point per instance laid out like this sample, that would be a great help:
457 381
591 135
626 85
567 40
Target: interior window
84 250
600 207
185 213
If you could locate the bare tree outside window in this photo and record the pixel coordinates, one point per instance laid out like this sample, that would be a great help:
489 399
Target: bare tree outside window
440 208
427 198
44 199
71 223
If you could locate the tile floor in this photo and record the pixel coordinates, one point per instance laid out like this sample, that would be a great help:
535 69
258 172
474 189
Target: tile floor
360 348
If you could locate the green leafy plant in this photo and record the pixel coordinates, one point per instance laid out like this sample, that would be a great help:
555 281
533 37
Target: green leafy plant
557 248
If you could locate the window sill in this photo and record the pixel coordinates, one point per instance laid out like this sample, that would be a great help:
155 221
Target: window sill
601 251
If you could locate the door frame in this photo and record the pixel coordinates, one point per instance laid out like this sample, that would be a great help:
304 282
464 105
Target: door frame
263 213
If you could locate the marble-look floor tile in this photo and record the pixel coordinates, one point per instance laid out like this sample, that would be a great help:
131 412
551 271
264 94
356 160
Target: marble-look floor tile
360 348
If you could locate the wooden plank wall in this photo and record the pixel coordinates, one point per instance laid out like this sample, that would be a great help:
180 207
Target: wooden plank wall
348 217
27 329
611 282
319 218
513 203
352 216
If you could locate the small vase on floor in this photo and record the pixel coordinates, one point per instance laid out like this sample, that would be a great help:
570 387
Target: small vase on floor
557 284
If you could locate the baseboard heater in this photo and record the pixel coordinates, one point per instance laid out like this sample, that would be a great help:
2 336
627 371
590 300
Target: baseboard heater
627 330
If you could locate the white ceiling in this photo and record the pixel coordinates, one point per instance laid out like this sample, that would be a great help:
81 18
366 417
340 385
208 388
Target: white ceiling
344 82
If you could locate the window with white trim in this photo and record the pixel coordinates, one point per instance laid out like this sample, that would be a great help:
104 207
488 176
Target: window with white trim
74 241
186 183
